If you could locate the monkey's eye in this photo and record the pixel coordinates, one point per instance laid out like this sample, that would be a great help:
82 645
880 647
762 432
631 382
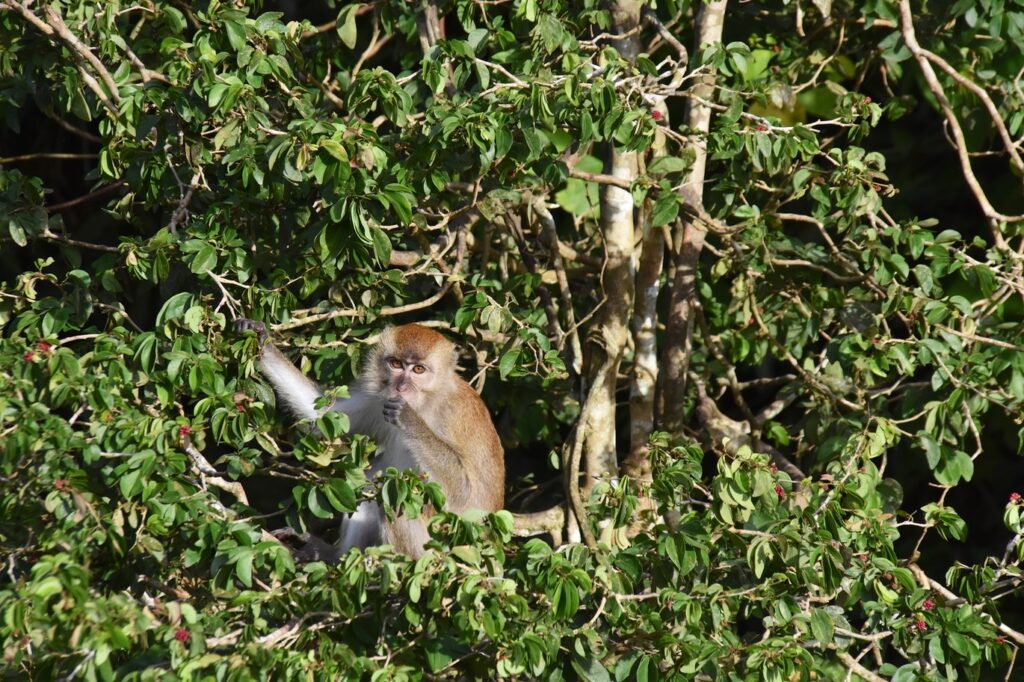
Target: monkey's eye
395 363
419 369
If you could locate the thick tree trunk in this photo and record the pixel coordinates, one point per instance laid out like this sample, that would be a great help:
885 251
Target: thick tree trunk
609 334
688 241
644 377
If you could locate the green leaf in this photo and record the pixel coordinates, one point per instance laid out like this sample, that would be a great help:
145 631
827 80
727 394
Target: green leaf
669 164
822 626
666 209
205 260
508 362
173 308
243 567
590 669
47 587
236 34
335 149
381 246
346 25
17 233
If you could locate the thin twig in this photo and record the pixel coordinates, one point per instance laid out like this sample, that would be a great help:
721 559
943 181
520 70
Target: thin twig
84 134
56 156
71 203
854 665
47 233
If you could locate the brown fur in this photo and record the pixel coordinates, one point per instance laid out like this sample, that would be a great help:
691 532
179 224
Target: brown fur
430 420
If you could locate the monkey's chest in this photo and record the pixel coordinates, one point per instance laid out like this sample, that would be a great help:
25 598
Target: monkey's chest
392 451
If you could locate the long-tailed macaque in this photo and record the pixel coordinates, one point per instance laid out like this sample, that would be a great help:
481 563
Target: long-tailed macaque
422 415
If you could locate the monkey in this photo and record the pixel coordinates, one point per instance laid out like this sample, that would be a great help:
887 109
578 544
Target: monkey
423 416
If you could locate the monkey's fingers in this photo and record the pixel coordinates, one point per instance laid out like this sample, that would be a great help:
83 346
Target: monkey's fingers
244 324
287 535
393 410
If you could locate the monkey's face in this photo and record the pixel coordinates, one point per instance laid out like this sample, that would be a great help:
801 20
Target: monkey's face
409 378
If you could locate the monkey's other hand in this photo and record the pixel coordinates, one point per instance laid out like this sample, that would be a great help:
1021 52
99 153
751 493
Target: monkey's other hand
393 408
244 324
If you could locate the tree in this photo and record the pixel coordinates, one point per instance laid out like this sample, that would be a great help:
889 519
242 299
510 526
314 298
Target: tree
750 273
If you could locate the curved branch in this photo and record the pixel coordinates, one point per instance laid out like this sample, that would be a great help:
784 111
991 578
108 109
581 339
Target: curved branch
930 583
990 106
994 216
387 311
551 520
54 24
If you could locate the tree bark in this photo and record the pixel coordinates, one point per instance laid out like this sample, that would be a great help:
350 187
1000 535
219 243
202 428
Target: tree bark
644 324
609 334
688 240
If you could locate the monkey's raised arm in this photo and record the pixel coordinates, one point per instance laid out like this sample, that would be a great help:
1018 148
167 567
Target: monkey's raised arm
298 392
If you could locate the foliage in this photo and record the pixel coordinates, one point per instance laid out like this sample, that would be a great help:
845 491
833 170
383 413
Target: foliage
837 503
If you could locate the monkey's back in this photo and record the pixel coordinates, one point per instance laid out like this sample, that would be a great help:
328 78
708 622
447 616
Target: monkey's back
472 431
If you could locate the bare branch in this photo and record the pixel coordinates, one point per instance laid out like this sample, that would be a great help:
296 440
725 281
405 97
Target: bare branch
54 24
49 234
854 665
55 156
551 520
651 18
549 236
71 203
600 178
990 106
84 134
994 217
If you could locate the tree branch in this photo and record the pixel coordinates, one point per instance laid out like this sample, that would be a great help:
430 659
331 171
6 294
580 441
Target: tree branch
990 106
54 24
910 38
688 240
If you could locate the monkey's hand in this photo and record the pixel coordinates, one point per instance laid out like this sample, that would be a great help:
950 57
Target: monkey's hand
244 324
393 409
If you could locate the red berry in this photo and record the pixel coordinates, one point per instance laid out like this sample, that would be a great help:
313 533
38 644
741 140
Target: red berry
780 492
928 605
1000 639
772 468
1015 498
43 347
761 128
184 431
61 484
181 635
29 356
921 625
656 115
